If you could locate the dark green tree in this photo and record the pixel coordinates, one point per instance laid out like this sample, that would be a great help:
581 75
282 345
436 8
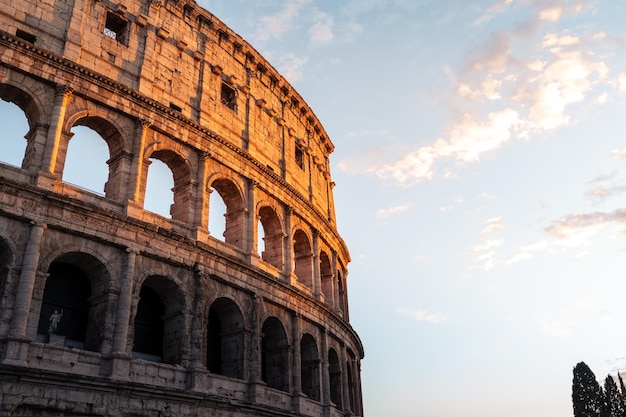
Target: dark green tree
613 404
622 389
586 392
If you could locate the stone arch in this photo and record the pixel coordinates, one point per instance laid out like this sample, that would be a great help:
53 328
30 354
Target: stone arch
76 291
7 259
28 103
273 236
303 258
181 172
326 275
111 133
225 339
310 367
159 323
275 354
351 383
334 371
232 196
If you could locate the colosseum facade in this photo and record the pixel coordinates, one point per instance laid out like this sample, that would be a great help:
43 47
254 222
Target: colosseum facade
108 309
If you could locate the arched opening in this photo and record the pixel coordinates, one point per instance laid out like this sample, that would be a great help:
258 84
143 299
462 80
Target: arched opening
157 196
351 388
272 235
15 127
334 371
260 238
149 325
159 321
310 367
160 182
87 152
6 259
73 308
93 146
225 339
275 355
231 208
303 257
217 216
326 275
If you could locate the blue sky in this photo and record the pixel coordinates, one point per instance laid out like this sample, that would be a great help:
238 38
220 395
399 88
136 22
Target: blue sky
480 165
480 169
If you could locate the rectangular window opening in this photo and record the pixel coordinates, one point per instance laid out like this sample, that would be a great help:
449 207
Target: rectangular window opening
175 107
28 37
229 97
299 156
116 28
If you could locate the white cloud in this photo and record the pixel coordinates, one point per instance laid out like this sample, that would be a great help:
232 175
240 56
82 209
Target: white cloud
290 66
276 25
551 14
423 315
322 30
618 153
392 211
492 224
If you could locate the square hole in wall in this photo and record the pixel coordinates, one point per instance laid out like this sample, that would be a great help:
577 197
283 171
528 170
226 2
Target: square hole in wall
299 156
229 96
117 28
28 37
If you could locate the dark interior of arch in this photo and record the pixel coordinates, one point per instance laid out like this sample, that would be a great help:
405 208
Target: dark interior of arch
309 365
225 339
149 327
334 370
275 355
66 292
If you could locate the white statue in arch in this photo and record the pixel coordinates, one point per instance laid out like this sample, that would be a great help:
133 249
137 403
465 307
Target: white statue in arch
55 319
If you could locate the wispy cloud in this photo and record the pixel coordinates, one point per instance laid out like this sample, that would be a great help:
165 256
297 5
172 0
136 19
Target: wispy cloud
424 316
392 211
281 22
486 250
516 86
290 66
322 30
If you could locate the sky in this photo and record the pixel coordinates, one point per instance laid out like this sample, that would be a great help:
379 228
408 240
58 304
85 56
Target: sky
480 163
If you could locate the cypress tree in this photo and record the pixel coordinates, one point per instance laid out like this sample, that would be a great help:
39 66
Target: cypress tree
613 401
586 392
622 389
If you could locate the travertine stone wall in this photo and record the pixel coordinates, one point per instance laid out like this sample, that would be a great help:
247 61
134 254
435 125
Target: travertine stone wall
158 315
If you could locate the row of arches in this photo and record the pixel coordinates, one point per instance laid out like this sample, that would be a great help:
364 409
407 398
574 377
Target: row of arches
74 302
130 163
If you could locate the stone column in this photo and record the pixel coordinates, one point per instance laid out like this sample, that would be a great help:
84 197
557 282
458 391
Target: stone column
17 346
137 172
317 278
296 361
347 409
118 366
333 281
26 284
357 386
254 350
325 372
201 219
250 219
288 245
61 101
124 306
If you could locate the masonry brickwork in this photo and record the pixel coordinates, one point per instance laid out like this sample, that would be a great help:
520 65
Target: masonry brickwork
107 309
